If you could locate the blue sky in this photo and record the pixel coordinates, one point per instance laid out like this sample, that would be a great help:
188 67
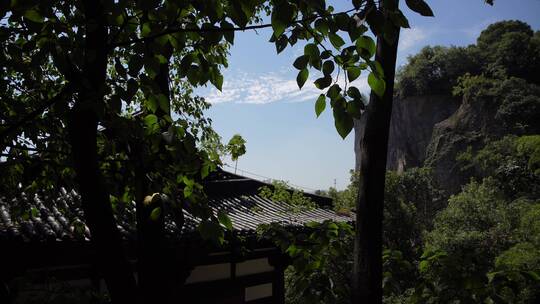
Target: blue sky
261 101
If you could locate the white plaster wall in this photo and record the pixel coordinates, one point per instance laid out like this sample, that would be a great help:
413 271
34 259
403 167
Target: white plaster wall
253 266
258 291
213 272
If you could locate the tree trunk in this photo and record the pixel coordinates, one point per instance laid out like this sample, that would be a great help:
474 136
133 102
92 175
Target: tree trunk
155 261
82 125
373 141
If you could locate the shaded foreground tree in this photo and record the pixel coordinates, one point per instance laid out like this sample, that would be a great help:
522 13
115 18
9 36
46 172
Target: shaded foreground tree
97 63
107 66
92 60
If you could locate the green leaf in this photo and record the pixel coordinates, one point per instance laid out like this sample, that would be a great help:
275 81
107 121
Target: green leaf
376 67
356 31
312 50
302 77
399 19
217 80
228 33
376 21
34 16
342 121
282 16
193 75
533 275
152 103
155 214
333 91
120 69
210 230
328 67
377 84
321 26
281 43
186 62
420 6
323 82
146 30
423 266
151 121
342 21
313 224
353 73
366 47
354 93
132 88
326 54
163 102
151 66
34 212
161 59
355 107
134 66
301 62
336 41
225 220
320 105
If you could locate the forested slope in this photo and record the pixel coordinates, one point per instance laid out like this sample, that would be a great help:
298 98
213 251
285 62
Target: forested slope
458 98
462 195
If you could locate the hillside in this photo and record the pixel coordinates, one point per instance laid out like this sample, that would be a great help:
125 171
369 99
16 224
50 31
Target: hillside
451 100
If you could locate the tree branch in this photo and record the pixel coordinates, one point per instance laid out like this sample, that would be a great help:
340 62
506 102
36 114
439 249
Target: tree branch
220 30
30 116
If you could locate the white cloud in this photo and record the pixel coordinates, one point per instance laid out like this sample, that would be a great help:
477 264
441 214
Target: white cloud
474 31
410 38
269 87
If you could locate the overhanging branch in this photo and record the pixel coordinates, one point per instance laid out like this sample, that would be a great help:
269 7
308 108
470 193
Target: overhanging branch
30 116
217 29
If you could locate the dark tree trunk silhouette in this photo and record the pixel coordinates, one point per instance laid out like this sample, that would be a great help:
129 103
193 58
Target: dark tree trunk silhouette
373 146
82 125
155 260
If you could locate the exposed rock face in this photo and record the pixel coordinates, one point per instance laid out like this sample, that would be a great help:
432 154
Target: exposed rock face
411 128
470 126
433 130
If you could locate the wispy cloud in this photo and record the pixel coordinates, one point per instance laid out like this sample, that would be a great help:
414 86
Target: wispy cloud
263 88
474 31
411 38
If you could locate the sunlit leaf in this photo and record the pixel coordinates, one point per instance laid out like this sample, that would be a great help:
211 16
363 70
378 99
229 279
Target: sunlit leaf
320 105
336 40
302 77
377 84
225 220
155 214
420 6
34 16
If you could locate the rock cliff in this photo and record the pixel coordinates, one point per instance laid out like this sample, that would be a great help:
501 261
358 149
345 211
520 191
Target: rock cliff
411 128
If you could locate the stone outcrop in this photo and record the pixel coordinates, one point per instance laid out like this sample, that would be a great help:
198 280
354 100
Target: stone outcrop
411 128
433 130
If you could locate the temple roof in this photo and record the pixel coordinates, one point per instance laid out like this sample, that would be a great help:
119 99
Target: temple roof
38 218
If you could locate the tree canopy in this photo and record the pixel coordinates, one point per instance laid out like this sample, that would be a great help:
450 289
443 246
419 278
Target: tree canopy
503 49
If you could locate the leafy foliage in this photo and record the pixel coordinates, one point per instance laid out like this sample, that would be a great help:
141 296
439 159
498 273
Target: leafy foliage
319 252
236 147
511 161
293 199
320 259
505 49
411 201
484 245
435 70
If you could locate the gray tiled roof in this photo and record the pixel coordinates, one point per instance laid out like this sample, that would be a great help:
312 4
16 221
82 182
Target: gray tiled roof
39 218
